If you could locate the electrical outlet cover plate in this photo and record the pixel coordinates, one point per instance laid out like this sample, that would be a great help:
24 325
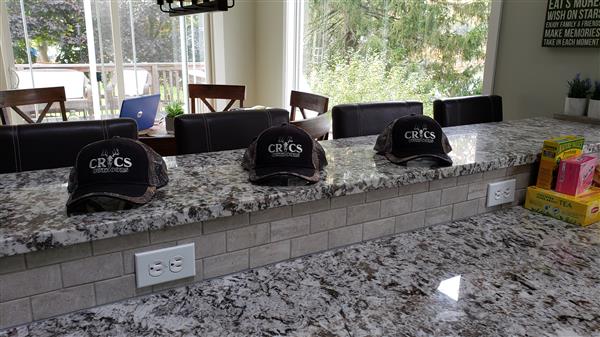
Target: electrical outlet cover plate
164 265
501 192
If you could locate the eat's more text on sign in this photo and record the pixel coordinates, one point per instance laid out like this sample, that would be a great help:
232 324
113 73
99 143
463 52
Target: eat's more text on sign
572 23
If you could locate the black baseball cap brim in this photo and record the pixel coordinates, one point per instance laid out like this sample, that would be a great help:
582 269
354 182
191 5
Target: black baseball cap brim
442 158
308 174
133 193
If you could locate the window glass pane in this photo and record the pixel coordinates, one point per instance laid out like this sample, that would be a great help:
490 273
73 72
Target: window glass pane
360 51
153 50
57 50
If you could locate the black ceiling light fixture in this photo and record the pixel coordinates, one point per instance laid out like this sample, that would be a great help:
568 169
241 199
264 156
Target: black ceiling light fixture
187 7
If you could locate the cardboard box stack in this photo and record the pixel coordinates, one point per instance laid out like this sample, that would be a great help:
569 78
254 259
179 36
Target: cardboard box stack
564 184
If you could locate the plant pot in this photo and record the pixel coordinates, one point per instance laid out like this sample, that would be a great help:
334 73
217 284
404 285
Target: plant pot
594 109
170 124
575 106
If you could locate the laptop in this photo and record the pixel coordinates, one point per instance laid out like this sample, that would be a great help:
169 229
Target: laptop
142 109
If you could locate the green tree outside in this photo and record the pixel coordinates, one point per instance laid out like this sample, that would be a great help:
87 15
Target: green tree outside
370 50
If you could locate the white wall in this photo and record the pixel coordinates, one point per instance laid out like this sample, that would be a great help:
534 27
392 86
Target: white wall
533 80
234 46
270 53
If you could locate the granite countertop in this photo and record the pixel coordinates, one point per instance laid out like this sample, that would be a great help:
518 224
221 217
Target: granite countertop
211 185
508 273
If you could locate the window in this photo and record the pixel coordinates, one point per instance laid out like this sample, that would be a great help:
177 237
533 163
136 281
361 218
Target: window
378 50
93 49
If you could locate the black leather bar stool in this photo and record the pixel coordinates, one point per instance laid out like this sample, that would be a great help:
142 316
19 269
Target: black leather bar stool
364 119
468 110
229 130
50 145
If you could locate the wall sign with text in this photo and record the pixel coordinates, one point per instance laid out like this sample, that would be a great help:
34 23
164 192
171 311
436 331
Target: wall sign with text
572 23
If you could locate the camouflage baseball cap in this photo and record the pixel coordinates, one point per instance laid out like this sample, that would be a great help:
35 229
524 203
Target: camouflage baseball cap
284 150
414 137
113 174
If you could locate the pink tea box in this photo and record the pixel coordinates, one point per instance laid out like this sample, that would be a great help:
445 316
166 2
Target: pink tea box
575 174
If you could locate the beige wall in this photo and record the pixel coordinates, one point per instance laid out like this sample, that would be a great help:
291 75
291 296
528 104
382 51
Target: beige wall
234 46
533 80
270 53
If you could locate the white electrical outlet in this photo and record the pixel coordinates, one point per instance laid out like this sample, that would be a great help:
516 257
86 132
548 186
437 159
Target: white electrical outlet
163 265
501 192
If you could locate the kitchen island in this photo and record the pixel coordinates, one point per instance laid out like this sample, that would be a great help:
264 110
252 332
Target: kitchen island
52 264
506 273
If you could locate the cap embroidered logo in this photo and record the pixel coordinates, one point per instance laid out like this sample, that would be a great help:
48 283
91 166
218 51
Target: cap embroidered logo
110 163
420 134
285 147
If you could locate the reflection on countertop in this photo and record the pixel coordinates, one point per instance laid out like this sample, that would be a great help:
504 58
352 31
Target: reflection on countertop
508 273
211 185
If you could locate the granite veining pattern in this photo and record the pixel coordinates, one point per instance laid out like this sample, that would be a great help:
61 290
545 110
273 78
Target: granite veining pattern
205 186
509 273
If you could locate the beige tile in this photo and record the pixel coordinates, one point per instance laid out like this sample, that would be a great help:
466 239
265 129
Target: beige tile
309 244
455 194
413 188
523 180
63 301
247 237
226 223
225 264
409 222
58 255
439 184
514 170
438 215
115 289
176 233
494 174
271 253
208 245
15 313
327 220
311 207
465 209
120 243
383 193
483 206
290 228
10 264
362 213
396 206
477 190
378 228
348 200
468 179
29 282
345 236
426 200
270 214
92 269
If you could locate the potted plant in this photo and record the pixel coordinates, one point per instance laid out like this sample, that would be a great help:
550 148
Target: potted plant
173 110
576 100
594 106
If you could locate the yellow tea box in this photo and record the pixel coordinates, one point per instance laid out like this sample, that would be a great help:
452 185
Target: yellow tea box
553 151
583 209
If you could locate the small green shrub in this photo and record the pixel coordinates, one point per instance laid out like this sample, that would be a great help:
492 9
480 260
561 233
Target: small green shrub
174 109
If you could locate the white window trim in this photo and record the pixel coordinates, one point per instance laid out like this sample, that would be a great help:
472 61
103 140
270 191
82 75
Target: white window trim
294 38
491 51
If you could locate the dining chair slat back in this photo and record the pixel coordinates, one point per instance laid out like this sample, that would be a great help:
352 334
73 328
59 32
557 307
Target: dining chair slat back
317 127
204 92
15 98
307 101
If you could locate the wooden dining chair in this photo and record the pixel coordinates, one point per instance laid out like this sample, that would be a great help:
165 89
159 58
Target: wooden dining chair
317 127
304 100
15 98
216 91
